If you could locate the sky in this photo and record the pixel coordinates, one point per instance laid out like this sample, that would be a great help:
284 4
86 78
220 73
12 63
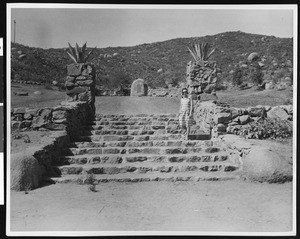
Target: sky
55 27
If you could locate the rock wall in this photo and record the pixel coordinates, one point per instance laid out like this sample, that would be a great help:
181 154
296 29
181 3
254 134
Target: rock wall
31 167
68 116
220 118
27 82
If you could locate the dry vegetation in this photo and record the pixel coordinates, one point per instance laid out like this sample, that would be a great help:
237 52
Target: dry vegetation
144 61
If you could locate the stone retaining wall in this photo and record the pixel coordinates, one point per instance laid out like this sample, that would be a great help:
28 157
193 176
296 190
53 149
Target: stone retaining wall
68 116
27 82
37 163
220 118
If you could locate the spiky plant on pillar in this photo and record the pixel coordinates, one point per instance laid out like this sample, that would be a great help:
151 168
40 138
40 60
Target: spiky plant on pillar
81 75
201 73
201 78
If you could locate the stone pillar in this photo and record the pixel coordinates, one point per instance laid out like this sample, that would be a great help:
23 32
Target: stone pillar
201 76
80 83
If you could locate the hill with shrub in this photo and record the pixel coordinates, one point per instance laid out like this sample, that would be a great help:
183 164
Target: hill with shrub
162 63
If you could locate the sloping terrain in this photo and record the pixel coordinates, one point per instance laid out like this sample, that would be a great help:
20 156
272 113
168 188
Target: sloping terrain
158 63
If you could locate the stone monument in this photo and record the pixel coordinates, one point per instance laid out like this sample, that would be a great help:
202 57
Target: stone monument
139 88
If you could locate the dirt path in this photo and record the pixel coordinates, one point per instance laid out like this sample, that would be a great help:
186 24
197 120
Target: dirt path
228 206
137 105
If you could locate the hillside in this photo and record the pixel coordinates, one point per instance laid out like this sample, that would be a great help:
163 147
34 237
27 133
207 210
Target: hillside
157 63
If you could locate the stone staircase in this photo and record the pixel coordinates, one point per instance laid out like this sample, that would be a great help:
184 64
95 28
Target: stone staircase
135 148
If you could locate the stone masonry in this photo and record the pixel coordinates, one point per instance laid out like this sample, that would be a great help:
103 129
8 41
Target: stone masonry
80 83
136 148
202 76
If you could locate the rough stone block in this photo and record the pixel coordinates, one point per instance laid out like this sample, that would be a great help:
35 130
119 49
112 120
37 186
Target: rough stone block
81 78
222 117
33 112
16 125
77 90
221 128
18 117
244 119
74 69
28 116
256 111
278 112
20 110
70 85
59 114
27 123
70 79
85 82
54 126
88 70
41 120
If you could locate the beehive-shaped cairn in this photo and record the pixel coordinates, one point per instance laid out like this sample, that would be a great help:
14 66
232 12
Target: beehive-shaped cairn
201 73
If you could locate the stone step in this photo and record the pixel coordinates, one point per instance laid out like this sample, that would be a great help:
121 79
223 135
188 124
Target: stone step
133 122
130 127
95 138
122 132
140 150
138 158
151 176
148 167
136 117
162 143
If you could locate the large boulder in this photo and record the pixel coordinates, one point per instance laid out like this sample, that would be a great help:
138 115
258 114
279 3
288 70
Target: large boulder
25 172
269 86
253 57
278 112
262 164
244 119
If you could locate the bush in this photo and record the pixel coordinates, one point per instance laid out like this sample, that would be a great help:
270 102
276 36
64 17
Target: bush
237 77
270 128
116 79
256 76
48 86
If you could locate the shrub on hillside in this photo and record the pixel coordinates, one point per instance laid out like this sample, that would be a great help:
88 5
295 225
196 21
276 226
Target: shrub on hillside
237 76
116 79
268 128
256 76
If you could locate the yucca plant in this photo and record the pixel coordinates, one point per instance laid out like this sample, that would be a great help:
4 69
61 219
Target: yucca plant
77 53
201 52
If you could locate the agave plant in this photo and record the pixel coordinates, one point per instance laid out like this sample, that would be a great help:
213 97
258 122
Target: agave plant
201 52
77 54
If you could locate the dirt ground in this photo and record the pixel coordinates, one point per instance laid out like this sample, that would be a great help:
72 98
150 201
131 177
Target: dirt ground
19 140
235 98
228 206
